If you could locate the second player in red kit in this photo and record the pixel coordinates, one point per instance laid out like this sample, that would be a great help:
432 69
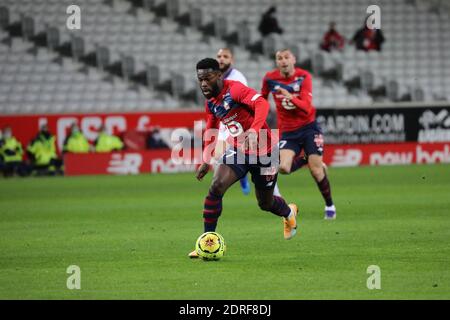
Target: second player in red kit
291 88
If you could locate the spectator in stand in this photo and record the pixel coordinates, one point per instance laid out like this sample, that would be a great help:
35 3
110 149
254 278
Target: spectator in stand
76 142
42 153
269 23
368 39
332 39
155 140
107 142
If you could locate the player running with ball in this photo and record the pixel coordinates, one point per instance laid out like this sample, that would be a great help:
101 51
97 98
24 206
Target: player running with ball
244 112
225 58
291 88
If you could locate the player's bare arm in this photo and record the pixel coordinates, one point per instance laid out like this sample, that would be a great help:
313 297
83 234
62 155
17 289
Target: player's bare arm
251 141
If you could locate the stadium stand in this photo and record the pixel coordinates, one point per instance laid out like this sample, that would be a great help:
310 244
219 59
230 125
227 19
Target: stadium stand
33 83
70 90
139 54
415 32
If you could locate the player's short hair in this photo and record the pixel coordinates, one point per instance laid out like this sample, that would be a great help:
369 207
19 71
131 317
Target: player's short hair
284 49
208 63
227 49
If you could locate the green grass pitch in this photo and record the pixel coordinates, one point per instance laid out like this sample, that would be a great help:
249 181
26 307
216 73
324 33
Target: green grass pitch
130 237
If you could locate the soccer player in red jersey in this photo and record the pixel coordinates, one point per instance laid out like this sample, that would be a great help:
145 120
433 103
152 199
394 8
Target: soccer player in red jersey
244 113
291 88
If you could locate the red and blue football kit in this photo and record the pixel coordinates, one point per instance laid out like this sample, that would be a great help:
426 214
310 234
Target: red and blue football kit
297 117
297 122
240 109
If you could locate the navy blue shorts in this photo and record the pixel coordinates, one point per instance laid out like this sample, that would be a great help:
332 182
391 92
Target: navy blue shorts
263 169
308 138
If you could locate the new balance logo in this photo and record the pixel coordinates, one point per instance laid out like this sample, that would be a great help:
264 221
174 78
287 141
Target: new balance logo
125 164
346 158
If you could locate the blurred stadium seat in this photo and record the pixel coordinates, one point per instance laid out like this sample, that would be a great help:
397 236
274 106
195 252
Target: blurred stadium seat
140 55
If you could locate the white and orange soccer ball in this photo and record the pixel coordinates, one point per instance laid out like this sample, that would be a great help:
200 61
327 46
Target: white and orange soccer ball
210 246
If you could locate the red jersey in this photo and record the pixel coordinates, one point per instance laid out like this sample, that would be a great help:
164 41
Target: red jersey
299 111
369 42
239 108
333 40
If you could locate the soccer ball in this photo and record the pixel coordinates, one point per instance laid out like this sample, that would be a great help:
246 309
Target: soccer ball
210 246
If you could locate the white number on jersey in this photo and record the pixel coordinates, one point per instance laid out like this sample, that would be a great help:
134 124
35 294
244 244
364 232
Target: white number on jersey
288 105
235 128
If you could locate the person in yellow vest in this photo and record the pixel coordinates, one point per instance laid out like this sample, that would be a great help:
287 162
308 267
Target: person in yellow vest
76 142
107 142
12 154
1 156
42 153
